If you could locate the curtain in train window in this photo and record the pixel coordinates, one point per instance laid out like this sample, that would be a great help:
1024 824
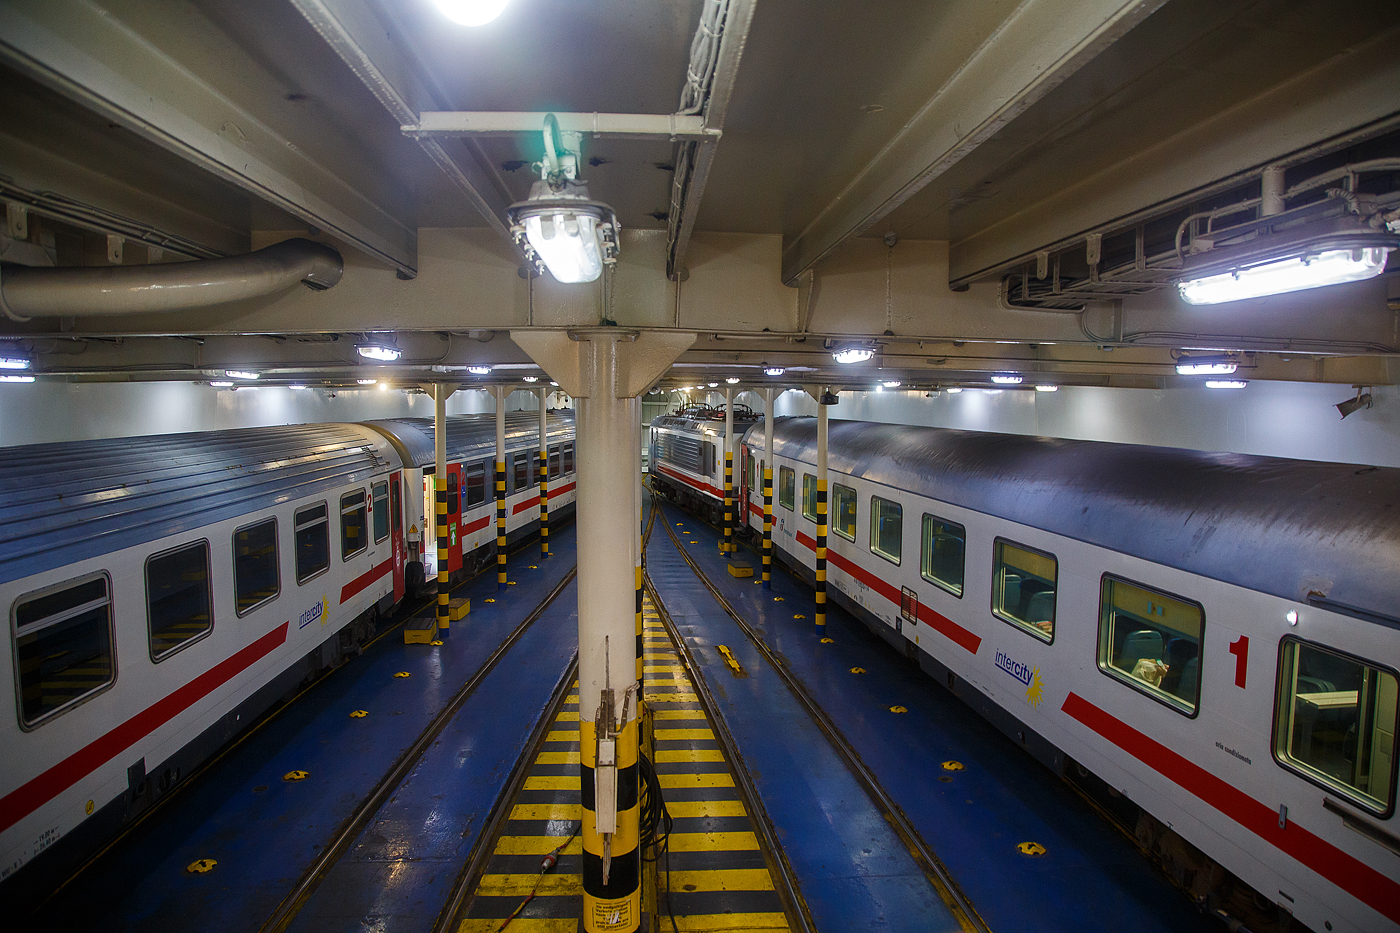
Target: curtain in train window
886 529
787 482
63 647
379 492
520 471
941 560
178 602
256 576
1023 587
1336 723
312 528
476 483
354 536
1152 642
554 462
568 450
809 497
843 511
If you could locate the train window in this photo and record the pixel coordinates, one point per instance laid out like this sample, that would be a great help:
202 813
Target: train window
395 512
379 492
568 458
809 497
554 462
1023 588
454 484
178 601
886 529
787 482
476 483
63 647
520 472
353 534
942 554
1152 642
313 541
256 577
1336 724
843 510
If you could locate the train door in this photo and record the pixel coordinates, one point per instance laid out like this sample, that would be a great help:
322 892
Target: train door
744 470
454 517
396 537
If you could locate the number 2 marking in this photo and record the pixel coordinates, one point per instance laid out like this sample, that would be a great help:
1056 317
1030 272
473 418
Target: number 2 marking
1240 649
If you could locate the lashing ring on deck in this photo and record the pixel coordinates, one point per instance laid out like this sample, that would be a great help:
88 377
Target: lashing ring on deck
201 866
296 775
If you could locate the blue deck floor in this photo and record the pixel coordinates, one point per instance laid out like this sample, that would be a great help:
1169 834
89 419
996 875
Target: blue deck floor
1091 877
264 831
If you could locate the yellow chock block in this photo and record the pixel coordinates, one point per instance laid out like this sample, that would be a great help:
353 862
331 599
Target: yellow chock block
728 548
421 629
456 608
740 569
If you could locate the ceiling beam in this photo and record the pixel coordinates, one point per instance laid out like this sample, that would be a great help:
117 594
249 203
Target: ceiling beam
351 28
95 59
671 126
1043 43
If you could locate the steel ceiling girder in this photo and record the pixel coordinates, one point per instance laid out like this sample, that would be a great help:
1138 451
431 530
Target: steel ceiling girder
71 47
1037 48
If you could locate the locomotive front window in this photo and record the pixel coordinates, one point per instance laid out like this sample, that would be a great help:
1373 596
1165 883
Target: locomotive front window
379 492
63 648
256 577
313 541
843 511
787 482
1152 642
178 602
476 483
1335 723
568 458
886 529
353 533
809 497
942 555
1023 588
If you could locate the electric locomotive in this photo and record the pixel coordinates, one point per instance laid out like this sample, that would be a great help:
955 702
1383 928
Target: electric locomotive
687 465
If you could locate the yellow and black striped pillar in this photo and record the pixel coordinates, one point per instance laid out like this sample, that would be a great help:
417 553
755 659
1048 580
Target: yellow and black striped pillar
544 503
500 524
639 630
767 527
443 620
821 555
728 502
613 905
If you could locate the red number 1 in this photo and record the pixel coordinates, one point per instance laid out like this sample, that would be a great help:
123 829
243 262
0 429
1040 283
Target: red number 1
1240 649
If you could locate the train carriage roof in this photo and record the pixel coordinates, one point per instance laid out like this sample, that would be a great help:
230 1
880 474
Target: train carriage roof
471 437
66 502
1325 533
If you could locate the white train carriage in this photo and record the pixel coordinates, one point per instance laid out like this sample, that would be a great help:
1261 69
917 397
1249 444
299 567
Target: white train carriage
686 456
1213 636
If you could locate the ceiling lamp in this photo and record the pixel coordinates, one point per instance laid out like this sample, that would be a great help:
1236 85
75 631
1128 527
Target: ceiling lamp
296 385
954 390
12 378
856 354
366 382
1047 388
1225 383
471 12
13 362
714 385
221 384
240 374
773 370
553 383
1007 379
1200 366
531 378
559 227
891 384
479 370
380 352
732 380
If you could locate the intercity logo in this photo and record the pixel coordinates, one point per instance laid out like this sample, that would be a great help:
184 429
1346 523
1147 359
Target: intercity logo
319 611
1027 675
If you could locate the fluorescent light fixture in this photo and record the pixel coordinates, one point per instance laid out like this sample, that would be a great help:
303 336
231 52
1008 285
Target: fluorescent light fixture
732 380
773 370
471 12
891 384
296 385
366 382
1047 388
553 383
378 351
13 362
1225 383
479 370
10 378
1007 379
221 384
1188 367
714 385
531 378
954 390
1296 273
993 391
239 374
853 355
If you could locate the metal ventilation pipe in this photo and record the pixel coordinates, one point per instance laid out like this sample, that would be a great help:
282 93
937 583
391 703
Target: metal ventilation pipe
27 291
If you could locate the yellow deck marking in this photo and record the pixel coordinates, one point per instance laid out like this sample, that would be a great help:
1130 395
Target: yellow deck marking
543 845
549 811
672 697
571 698
678 735
709 779
553 782
668 682
689 754
520 885
686 809
663 669
561 735
556 758
718 923
720 879
567 716
556 925
704 842
695 713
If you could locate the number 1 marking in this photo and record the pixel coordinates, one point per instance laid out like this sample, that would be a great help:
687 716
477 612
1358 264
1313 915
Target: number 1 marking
1240 649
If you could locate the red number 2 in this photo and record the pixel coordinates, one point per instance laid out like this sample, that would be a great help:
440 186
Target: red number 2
1240 649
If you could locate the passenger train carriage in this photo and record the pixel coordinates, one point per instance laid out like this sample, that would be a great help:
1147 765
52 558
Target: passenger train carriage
1213 636
687 460
161 592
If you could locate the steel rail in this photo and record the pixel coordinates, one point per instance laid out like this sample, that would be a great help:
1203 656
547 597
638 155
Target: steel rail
944 883
296 899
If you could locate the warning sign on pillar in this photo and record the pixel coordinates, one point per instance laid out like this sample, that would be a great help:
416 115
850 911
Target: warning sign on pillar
613 915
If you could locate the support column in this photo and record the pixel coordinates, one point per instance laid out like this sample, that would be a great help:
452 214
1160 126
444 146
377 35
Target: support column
822 405
768 489
440 394
500 487
544 475
605 371
728 545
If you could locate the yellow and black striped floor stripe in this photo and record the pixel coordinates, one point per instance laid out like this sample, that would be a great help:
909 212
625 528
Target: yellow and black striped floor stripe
719 879
543 815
